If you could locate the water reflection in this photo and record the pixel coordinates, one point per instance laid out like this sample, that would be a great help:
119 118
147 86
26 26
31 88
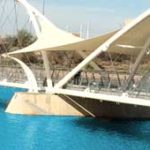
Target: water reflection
138 130
75 133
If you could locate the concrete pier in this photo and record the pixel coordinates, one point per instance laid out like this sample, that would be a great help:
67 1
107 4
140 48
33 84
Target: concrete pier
40 104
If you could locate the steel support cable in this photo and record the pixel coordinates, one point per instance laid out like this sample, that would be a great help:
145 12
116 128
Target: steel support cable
16 22
114 68
118 78
67 58
4 46
130 64
3 9
30 27
143 82
17 30
8 16
20 42
26 23
5 20
3 2
137 63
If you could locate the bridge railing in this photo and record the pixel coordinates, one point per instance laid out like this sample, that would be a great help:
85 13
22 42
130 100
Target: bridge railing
92 80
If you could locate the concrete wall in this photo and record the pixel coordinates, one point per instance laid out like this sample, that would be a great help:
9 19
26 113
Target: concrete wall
45 104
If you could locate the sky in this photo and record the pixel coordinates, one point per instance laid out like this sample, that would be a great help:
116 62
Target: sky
102 15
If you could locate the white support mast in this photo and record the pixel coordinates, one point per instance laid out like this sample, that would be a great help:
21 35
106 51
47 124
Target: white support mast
81 31
88 31
32 12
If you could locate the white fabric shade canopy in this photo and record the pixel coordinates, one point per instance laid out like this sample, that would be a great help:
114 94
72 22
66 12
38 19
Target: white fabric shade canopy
51 38
133 41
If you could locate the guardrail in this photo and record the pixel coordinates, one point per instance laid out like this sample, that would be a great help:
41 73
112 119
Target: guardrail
92 80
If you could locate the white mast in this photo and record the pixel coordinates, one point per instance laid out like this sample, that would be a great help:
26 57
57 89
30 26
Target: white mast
46 61
81 31
32 12
87 32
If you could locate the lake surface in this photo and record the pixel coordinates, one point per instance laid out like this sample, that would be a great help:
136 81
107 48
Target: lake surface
68 133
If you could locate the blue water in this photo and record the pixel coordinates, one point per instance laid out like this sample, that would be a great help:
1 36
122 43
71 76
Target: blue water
69 133
6 92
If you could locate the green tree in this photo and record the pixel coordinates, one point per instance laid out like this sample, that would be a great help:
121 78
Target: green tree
21 40
24 38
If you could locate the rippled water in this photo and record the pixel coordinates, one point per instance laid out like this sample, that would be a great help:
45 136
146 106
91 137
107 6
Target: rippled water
69 133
